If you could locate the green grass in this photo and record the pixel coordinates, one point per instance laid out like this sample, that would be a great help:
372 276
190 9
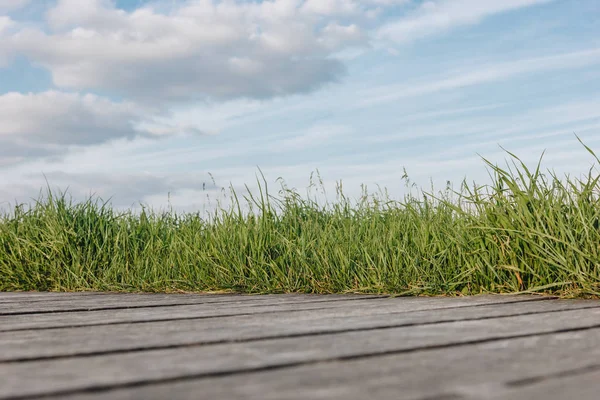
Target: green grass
527 232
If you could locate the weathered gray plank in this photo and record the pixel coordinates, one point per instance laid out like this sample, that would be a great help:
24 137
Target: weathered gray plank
478 371
248 306
122 301
35 297
584 385
32 344
11 297
456 368
180 312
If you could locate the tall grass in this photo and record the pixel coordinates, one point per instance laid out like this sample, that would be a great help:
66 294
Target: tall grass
526 232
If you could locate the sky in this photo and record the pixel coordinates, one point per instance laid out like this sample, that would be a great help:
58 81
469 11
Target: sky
167 102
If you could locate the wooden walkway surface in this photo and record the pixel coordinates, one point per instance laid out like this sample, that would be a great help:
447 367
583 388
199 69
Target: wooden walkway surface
180 346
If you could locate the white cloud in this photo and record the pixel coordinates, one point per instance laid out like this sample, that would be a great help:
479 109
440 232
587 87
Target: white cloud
93 14
338 35
64 118
351 97
491 129
526 133
199 50
312 137
336 8
47 123
5 23
317 135
122 190
438 16
11 5
481 75
330 7
240 53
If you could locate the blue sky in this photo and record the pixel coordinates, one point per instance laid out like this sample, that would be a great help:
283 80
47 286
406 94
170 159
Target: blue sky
142 100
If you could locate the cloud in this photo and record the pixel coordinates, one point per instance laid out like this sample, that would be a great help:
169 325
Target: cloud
6 25
58 118
48 123
526 132
481 75
315 136
349 98
197 51
337 8
123 190
11 5
330 7
434 17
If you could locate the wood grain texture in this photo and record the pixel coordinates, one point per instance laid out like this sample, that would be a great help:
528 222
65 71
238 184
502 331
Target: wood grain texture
30 297
302 346
244 306
558 365
31 344
91 303
7 297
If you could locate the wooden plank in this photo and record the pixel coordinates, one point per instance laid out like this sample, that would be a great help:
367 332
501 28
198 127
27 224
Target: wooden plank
105 302
11 297
109 295
34 297
175 313
38 344
472 371
584 384
248 306
123 301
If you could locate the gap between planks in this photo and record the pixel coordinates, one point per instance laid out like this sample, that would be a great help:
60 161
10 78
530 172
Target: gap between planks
97 317
324 353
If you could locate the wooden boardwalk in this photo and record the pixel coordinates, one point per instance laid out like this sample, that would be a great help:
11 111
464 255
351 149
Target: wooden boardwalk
153 346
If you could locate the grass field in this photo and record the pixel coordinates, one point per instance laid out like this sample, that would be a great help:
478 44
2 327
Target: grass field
527 232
